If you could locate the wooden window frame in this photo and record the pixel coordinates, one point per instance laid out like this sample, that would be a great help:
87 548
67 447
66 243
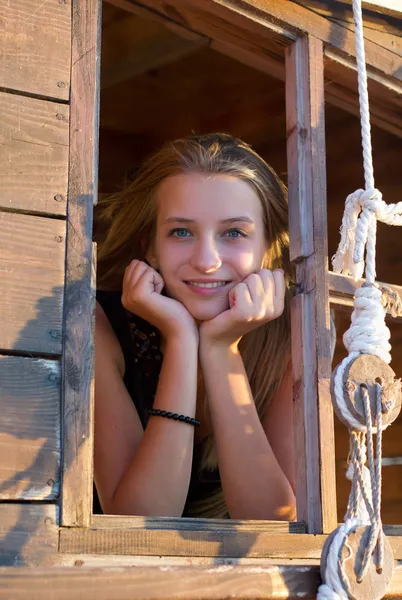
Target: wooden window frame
274 27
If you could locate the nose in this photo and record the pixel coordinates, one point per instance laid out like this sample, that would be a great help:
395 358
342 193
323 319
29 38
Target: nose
205 257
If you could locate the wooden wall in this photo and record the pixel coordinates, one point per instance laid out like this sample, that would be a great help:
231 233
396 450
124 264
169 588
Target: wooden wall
35 46
166 88
203 90
48 181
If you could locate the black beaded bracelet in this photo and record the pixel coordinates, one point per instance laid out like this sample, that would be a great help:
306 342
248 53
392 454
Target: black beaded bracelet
170 415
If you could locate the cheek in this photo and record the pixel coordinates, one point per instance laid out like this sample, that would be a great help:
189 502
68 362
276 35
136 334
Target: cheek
169 257
247 260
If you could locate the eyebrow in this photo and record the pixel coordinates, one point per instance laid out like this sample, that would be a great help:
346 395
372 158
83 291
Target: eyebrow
231 220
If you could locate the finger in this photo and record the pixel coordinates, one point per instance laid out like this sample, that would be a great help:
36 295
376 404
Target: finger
280 288
136 271
256 288
242 300
150 281
268 281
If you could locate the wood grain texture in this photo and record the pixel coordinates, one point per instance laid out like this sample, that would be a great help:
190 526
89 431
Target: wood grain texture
32 254
192 583
28 535
235 544
222 544
78 351
260 44
35 47
33 154
381 30
282 17
121 560
29 428
316 502
187 524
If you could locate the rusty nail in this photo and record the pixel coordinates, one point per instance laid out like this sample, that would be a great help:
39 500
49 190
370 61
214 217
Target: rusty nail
78 563
59 198
58 238
48 521
61 84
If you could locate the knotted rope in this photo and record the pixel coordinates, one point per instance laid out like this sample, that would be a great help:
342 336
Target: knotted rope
367 334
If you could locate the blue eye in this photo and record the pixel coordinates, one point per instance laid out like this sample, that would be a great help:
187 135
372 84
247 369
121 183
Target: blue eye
235 233
179 232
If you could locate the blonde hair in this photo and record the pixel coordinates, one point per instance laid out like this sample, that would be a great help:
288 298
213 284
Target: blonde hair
132 216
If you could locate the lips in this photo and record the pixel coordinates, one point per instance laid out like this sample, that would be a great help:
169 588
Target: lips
206 287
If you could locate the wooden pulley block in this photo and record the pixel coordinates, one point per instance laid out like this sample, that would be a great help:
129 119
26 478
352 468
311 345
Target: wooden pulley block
375 583
365 371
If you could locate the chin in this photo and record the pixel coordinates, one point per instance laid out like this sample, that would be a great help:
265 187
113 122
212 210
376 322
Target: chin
205 312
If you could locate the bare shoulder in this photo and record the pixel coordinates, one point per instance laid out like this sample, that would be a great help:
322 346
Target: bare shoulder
107 346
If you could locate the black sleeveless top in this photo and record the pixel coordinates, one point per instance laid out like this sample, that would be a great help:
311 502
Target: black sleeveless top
140 344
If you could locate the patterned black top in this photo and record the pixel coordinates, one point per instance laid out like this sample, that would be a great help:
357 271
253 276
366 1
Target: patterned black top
140 343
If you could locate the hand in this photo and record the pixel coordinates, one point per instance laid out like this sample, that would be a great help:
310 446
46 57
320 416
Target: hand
256 300
142 287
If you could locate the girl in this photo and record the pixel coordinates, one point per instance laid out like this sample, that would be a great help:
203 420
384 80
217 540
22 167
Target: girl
193 391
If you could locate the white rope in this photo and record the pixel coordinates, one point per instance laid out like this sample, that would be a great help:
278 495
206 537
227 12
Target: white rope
333 588
367 334
358 231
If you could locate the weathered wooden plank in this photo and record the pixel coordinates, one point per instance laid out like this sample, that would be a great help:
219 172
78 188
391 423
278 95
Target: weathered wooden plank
146 583
122 560
307 478
30 428
28 535
316 499
262 49
35 47
186 524
78 353
224 543
33 154
387 7
381 30
230 544
32 253
257 19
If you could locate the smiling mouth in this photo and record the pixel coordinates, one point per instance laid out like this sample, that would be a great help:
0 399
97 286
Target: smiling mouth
211 284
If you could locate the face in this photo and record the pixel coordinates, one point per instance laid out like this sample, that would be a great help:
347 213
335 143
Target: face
209 237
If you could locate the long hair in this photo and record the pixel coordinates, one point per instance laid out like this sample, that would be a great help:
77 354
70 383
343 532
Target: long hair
132 217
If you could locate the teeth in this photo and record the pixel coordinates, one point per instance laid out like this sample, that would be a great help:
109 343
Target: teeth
207 285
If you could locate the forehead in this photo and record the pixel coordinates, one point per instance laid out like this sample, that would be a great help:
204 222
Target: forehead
198 196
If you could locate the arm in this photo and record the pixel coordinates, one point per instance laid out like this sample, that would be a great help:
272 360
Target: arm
132 466
255 480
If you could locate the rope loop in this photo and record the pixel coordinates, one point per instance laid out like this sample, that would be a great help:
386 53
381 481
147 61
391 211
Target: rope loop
362 209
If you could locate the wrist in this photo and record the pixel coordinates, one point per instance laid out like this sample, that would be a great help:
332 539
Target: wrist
180 338
210 348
